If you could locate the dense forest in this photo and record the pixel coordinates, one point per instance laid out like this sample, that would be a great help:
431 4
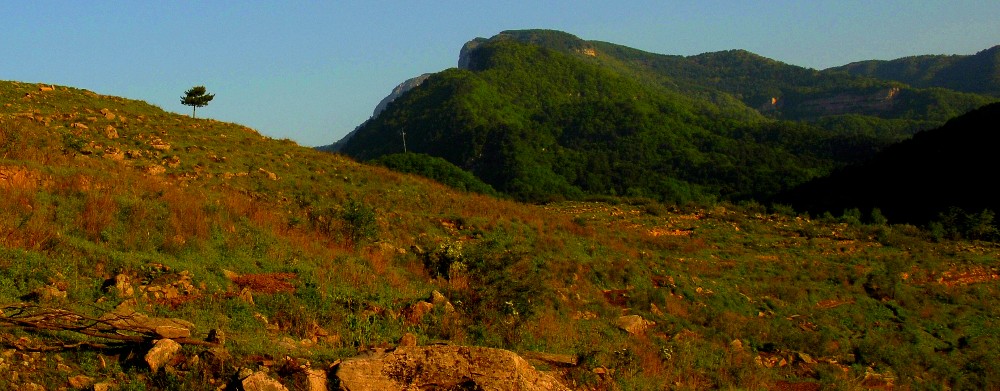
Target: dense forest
941 176
541 115
978 73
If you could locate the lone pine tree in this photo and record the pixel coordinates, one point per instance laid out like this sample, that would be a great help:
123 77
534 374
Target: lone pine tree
196 97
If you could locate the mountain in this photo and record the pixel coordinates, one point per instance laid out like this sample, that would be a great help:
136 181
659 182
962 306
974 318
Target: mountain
396 92
146 250
541 114
978 73
919 179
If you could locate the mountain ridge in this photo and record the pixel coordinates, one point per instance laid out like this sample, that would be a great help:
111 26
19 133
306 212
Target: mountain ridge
977 73
523 80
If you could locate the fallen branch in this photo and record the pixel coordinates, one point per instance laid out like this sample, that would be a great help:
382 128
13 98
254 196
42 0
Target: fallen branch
118 327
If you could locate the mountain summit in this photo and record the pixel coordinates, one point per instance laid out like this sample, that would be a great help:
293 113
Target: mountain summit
542 114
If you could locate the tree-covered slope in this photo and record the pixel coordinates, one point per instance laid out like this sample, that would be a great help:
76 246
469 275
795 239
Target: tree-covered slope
539 123
978 73
918 179
776 89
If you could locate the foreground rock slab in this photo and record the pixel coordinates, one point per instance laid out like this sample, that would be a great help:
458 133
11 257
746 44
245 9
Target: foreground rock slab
443 367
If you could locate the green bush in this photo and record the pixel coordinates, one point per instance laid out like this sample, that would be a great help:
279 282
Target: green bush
362 225
437 169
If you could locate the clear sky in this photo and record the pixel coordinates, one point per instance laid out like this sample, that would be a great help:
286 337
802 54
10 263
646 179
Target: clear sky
311 71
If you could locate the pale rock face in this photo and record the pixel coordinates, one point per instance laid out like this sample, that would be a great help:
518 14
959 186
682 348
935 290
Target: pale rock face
464 61
400 89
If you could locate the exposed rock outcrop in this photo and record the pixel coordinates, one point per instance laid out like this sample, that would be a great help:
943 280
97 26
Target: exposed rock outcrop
443 368
400 89
463 55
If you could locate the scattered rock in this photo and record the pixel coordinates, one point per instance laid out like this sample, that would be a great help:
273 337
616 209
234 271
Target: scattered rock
316 380
583 315
114 154
259 381
633 324
161 353
173 161
159 144
437 298
415 313
806 358
80 381
270 175
216 336
230 275
408 340
104 386
49 292
246 295
135 321
123 285
444 367
32 387
563 360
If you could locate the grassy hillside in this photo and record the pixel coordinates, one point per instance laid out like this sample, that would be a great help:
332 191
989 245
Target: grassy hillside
298 258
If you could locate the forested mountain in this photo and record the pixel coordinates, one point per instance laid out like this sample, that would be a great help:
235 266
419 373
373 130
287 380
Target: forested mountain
978 73
921 179
541 114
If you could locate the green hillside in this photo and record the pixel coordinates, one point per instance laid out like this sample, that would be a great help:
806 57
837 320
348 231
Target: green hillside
978 73
946 167
542 115
775 89
122 224
539 124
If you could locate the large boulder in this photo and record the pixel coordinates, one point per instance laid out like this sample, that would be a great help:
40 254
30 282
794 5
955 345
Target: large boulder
161 353
259 381
443 368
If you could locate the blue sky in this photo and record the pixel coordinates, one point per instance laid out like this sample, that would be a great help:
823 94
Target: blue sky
310 71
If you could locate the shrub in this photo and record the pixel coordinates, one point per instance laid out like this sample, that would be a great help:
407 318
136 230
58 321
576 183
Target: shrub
361 222
437 169
877 218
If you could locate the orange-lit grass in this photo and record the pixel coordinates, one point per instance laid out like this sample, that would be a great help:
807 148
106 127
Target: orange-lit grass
552 331
26 224
99 212
188 221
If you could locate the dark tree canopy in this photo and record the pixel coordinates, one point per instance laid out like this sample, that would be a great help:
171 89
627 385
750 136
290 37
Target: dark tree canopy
196 97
